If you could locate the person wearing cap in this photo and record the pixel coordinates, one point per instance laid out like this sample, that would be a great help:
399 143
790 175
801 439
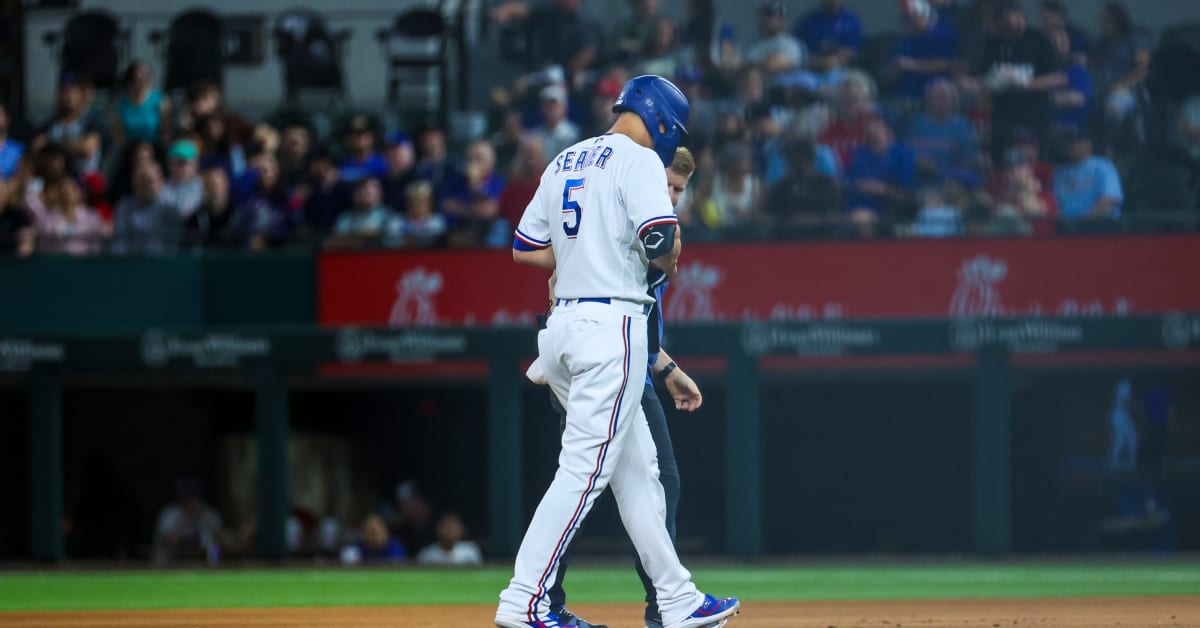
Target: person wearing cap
401 160
603 95
1087 186
73 126
832 33
927 52
184 189
1019 66
776 51
361 159
556 131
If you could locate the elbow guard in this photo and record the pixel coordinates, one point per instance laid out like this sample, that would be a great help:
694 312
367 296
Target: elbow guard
659 239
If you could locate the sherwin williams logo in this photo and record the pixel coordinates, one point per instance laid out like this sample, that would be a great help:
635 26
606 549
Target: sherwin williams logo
159 348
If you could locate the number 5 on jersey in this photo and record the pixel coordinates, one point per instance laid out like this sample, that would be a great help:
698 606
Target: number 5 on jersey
570 206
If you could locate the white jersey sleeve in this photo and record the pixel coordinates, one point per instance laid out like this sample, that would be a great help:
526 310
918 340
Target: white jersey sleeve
645 194
533 231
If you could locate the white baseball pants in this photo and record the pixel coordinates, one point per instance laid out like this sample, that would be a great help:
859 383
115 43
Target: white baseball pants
594 357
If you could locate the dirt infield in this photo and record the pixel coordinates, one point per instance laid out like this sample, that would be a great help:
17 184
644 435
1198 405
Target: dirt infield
1080 612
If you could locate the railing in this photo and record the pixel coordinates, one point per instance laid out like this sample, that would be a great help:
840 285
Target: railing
264 360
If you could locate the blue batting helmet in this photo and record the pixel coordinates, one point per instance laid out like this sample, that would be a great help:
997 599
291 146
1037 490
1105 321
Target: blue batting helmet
662 107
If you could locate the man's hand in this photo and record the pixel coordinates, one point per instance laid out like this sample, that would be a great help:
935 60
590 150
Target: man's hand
684 391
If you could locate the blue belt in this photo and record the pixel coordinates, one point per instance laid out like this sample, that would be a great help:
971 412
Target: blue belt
605 300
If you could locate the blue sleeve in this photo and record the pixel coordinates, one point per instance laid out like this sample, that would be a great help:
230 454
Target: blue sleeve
1081 80
1109 181
906 167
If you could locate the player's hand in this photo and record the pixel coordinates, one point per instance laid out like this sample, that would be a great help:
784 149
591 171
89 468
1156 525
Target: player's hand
684 391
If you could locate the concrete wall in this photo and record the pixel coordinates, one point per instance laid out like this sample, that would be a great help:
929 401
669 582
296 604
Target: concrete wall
257 89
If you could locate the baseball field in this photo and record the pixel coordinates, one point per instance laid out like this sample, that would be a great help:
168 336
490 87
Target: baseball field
1001 594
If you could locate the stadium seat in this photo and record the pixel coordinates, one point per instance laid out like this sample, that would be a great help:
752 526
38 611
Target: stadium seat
417 49
194 50
92 44
311 54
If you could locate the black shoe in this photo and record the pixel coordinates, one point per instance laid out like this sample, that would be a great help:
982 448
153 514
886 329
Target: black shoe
567 618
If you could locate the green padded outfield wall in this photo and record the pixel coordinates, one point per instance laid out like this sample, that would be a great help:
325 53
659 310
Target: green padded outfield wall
52 294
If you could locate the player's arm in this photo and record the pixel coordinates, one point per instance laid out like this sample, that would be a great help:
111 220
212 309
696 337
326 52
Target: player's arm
531 238
683 389
542 258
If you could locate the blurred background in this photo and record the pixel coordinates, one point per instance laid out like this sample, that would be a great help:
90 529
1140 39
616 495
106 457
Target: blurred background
258 300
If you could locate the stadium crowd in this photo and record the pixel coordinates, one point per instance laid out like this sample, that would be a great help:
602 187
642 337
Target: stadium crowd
972 118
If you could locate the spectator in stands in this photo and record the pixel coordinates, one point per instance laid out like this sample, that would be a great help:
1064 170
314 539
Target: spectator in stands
927 52
631 32
10 149
604 94
881 179
1023 201
142 113
472 201
1087 186
938 216
375 545
1020 68
183 190
365 220
215 223
1073 101
205 100
1165 177
435 165
805 201
767 142
777 51
451 548
217 146
942 140
418 225
561 32
556 132
295 149
266 213
326 196
16 224
832 34
855 109
1054 18
523 180
133 156
73 127
661 53
401 160
95 195
143 222
737 191
63 223
188 528
1120 62
507 139
361 160
1023 148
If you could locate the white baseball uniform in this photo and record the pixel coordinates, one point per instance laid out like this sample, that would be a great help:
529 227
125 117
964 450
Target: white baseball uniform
592 205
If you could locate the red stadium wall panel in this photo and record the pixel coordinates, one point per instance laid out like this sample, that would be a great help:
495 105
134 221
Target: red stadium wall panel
834 280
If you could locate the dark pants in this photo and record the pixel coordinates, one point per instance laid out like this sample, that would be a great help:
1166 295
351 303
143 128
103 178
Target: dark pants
668 474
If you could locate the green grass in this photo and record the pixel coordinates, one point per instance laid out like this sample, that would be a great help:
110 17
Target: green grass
76 590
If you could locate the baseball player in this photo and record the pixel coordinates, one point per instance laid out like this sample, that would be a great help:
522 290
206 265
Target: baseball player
600 218
682 389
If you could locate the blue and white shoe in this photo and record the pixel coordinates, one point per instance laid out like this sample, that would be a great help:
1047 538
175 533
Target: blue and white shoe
568 619
713 613
522 622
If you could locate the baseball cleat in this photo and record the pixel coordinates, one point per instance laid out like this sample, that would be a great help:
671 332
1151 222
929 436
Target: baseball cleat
567 618
713 613
520 622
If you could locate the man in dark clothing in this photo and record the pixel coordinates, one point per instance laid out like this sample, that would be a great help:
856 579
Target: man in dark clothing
1021 68
214 224
559 34
804 202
